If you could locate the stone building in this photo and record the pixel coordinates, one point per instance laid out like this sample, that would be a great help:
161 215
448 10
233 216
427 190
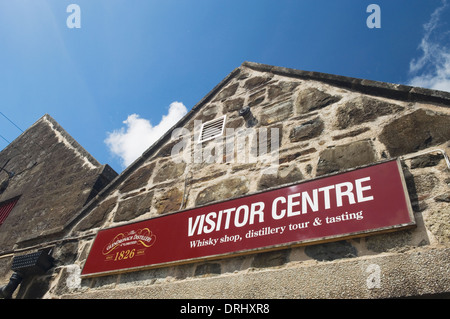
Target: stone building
315 125
46 178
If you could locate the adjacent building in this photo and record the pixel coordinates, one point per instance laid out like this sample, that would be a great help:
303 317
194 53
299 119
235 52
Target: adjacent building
46 178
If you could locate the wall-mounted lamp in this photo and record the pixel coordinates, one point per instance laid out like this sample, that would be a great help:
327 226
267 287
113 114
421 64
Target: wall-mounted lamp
246 113
26 266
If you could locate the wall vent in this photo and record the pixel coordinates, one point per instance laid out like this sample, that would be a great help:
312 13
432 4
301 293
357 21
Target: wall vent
6 208
212 129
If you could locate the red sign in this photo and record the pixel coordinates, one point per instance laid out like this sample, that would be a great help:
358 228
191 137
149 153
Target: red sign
354 203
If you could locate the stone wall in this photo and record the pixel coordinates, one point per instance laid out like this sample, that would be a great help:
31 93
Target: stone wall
323 124
54 177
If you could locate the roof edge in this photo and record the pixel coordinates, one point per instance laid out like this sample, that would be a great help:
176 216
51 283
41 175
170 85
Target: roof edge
69 138
371 87
64 134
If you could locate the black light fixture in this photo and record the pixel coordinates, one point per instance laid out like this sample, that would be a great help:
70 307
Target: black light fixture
246 113
32 264
36 263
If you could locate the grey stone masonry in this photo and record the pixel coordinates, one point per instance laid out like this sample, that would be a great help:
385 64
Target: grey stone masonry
314 124
324 124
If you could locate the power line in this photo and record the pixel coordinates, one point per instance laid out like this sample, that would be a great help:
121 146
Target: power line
5 139
11 121
9 143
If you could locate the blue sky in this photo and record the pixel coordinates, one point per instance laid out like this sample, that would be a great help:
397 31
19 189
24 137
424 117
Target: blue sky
135 66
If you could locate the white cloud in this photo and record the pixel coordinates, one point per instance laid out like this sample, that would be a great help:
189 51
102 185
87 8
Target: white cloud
129 143
432 69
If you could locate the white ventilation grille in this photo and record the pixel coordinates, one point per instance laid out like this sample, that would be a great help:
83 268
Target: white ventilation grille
212 129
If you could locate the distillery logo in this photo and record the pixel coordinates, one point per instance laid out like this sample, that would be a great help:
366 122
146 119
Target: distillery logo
134 242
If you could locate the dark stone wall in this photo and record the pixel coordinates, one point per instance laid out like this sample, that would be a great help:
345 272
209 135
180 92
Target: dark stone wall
54 178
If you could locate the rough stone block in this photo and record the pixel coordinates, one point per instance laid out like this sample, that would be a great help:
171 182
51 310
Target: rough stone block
169 201
438 223
285 175
255 82
312 99
98 215
443 198
207 269
166 150
256 98
415 131
307 130
265 138
228 188
233 104
133 207
276 112
66 254
290 157
389 241
138 179
208 114
363 109
331 251
345 156
351 133
234 124
425 184
202 176
271 258
426 160
169 171
227 92
280 89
